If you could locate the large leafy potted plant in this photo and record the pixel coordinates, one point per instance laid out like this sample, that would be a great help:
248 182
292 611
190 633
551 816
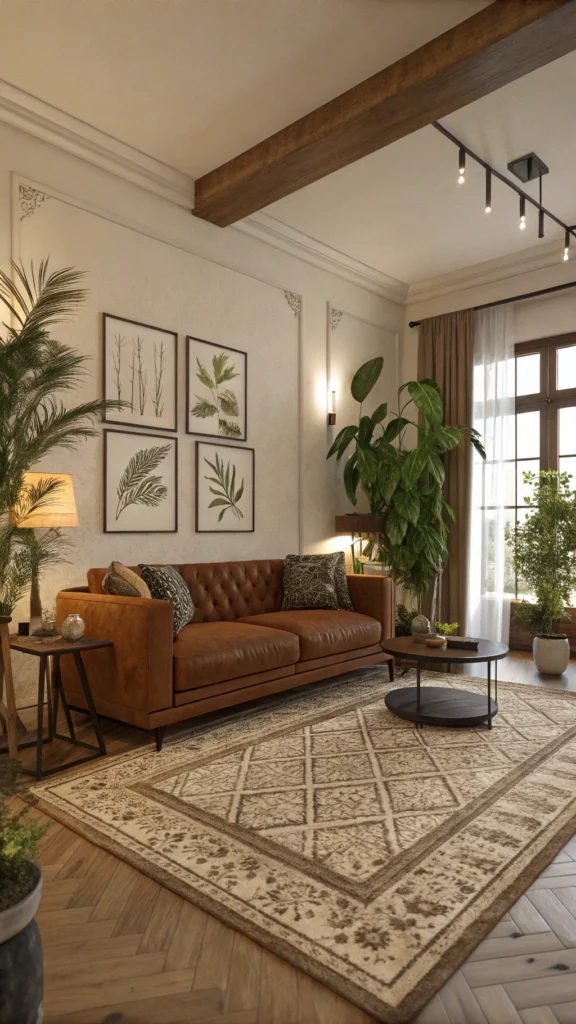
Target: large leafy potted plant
20 891
35 370
403 480
544 559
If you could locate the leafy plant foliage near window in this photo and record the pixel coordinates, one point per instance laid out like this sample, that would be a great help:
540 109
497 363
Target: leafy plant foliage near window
35 370
138 485
222 402
404 481
543 550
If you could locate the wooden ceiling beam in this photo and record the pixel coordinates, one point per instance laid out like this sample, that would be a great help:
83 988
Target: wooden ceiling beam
502 42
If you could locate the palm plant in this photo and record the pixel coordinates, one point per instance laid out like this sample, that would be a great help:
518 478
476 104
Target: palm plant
35 369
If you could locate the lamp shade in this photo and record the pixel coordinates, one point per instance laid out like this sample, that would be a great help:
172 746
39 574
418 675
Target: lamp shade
59 508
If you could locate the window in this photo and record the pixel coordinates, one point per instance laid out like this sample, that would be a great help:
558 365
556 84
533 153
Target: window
545 420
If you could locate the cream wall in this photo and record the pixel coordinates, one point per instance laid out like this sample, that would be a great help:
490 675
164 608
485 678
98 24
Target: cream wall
150 260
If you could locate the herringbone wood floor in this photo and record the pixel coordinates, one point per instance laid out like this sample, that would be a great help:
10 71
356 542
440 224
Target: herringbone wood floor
121 949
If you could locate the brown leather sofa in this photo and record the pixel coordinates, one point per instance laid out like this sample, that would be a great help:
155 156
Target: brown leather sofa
239 645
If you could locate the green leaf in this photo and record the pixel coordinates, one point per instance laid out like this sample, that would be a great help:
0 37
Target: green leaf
380 413
368 465
436 468
203 409
228 403
407 504
388 480
449 510
218 501
365 431
428 401
228 429
396 527
341 442
225 482
365 378
351 478
386 453
432 383
414 465
447 438
394 428
203 375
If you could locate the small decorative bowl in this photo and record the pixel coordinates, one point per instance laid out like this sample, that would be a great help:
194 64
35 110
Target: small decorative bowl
436 641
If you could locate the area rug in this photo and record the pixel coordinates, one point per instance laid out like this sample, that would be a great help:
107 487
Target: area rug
371 854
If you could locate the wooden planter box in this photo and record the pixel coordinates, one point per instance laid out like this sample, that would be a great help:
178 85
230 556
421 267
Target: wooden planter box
360 522
521 637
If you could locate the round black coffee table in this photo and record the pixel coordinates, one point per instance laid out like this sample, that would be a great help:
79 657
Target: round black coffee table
441 705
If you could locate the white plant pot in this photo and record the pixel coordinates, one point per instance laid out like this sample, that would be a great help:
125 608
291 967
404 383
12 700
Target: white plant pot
551 654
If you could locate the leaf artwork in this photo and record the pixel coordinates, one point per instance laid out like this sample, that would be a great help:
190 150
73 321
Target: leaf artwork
227 495
137 485
222 403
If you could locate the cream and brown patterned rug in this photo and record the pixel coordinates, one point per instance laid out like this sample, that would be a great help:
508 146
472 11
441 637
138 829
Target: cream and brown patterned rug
372 854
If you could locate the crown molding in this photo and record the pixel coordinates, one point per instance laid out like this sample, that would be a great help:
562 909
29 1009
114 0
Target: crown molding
274 232
539 257
21 110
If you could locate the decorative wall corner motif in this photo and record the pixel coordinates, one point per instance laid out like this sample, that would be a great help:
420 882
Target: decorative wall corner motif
295 302
30 199
335 317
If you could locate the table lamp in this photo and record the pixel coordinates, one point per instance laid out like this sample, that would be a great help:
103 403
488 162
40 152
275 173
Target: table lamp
59 510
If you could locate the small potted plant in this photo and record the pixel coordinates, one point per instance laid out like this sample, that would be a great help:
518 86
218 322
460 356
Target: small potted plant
544 559
447 628
20 891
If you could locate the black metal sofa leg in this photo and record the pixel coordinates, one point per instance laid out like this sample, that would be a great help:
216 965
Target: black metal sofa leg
391 669
160 737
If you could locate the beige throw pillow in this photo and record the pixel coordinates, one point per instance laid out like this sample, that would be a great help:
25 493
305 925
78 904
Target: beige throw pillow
123 582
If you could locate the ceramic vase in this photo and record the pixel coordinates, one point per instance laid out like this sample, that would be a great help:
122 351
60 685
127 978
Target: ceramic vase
73 627
551 654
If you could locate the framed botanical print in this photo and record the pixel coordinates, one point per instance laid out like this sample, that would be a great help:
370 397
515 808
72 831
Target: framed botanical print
224 488
140 483
140 368
216 382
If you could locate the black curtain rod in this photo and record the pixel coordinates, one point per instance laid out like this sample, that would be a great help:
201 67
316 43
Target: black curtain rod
514 298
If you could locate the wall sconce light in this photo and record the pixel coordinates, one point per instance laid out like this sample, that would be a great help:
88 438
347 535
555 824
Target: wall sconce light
332 410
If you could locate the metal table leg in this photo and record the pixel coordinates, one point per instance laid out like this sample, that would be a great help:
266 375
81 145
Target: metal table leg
489 664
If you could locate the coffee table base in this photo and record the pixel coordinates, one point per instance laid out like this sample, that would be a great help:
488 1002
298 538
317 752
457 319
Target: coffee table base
441 705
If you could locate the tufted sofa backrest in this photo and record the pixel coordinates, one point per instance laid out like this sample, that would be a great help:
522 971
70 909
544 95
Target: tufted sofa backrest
224 591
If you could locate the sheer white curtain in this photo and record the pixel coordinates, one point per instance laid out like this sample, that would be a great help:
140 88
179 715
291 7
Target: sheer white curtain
490 581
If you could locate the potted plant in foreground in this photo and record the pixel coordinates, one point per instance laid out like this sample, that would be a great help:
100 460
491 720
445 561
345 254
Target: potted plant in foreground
20 891
544 559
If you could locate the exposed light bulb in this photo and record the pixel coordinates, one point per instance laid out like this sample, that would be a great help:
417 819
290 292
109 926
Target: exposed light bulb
462 178
522 223
487 209
462 165
566 246
566 254
522 213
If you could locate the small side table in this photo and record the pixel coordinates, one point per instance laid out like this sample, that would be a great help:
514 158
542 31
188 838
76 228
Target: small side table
43 649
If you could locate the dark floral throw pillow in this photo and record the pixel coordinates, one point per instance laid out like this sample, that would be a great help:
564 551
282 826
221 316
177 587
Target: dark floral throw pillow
166 584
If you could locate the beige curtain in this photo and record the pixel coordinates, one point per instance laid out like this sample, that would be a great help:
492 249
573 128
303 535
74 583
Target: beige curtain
446 353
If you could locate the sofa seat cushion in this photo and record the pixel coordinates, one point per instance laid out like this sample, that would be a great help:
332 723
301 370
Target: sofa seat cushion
322 632
212 652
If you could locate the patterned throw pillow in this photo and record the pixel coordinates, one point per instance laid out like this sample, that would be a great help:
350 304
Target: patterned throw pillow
309 582
122 582
166 584
337 562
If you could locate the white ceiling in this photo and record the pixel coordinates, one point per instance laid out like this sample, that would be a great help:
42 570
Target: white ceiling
194 82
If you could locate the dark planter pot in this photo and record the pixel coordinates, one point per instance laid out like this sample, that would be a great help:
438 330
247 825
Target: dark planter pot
21 984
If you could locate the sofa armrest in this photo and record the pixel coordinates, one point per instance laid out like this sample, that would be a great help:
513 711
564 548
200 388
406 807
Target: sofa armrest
137 672
374 596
